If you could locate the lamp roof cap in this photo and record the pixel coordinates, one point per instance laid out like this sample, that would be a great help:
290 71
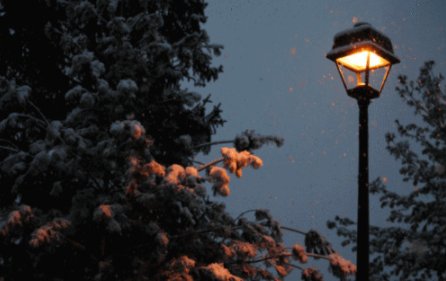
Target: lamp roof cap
362 35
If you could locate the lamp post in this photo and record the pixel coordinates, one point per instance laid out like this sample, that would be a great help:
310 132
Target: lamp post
363 56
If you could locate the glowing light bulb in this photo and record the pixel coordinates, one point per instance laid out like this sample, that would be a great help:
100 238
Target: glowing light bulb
358 61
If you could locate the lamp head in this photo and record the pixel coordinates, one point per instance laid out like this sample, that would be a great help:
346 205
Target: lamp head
361 53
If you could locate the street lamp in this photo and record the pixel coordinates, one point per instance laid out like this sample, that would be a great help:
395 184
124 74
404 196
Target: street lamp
363 56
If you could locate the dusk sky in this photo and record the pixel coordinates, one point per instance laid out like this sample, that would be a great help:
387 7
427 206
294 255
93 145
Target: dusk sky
277 80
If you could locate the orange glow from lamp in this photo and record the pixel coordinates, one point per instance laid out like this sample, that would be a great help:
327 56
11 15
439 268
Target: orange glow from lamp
358 61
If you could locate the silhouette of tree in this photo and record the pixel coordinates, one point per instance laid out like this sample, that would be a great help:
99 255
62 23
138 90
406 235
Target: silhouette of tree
97 138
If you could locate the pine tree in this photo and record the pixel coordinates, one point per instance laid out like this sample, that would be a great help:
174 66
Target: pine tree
413 246
97 138
80 78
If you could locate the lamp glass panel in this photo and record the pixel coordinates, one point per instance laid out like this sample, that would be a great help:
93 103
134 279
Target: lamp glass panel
377 77
351 78
358 61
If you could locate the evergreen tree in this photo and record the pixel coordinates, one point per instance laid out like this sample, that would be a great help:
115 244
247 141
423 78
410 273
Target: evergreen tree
413 246
83 80
97 138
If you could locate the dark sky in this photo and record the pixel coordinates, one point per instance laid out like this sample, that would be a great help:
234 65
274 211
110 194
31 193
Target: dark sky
278 81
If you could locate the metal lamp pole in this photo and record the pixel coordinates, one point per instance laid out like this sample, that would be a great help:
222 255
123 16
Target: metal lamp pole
362 254
360 54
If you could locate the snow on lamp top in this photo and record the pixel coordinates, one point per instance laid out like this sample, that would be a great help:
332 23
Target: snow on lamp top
352 46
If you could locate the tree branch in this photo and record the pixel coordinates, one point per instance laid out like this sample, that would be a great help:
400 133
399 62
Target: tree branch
263 259
244 213
295 266
293 230
9 148
40 112
317 256
42 123
202 231
8 142
212 143
210 164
